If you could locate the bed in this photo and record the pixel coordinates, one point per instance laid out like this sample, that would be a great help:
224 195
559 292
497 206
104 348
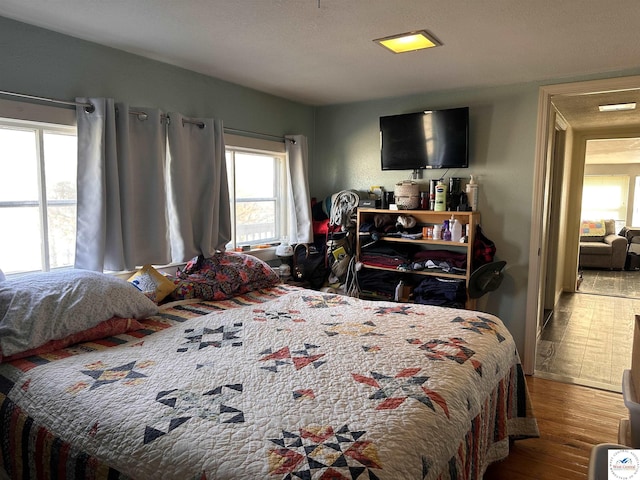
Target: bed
276 382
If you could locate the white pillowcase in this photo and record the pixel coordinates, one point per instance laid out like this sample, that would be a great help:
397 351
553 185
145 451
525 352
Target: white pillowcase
40 307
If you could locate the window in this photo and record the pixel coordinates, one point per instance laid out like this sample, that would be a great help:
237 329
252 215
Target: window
605 197
37 195
258 195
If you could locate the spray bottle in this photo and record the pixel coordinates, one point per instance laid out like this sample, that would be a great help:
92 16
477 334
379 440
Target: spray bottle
472 194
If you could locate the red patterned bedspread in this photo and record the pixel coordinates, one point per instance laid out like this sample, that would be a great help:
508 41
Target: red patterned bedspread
284 383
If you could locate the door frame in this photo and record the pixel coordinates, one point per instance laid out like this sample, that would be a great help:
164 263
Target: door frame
538 244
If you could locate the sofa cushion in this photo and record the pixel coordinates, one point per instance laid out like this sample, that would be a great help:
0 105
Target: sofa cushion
595 248
592 239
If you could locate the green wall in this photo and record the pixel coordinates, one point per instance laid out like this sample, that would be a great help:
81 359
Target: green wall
44 63
502 145
343 139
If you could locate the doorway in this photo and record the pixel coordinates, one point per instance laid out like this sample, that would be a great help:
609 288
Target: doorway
543 245
587 338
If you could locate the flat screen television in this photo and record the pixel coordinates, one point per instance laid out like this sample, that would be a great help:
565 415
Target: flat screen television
429 139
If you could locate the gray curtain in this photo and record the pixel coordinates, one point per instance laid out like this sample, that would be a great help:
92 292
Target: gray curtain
121 188
199 209
299 199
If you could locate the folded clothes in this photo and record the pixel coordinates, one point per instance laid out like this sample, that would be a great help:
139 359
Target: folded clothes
444 292
430 264
455 259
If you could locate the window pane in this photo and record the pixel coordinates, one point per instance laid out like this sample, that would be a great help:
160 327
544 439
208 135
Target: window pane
20 247
255 176
60 158
255 222
605 197
18 164
62 235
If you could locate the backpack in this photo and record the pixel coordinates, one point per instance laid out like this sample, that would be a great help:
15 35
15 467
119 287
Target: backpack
483 249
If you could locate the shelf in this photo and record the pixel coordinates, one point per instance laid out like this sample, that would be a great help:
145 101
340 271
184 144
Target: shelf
423 218
425 241
432 272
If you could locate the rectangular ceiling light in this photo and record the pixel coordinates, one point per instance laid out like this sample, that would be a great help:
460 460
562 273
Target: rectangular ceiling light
617 107
408 42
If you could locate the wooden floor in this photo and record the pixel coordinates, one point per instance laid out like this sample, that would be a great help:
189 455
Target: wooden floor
571 419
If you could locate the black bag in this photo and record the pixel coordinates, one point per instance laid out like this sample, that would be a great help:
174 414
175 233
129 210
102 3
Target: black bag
309 265
632 262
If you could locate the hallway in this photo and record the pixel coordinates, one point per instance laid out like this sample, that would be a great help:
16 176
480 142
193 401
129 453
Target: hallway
588 339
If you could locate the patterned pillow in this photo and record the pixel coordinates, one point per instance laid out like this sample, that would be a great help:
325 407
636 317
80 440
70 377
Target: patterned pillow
152 283
591 228
223 276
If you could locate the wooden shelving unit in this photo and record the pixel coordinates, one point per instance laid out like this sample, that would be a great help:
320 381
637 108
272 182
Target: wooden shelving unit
424 218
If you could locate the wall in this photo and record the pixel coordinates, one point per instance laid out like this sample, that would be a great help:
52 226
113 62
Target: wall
502 138
343 146
566 279
43 63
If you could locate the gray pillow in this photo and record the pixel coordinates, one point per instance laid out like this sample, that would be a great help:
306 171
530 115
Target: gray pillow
40 307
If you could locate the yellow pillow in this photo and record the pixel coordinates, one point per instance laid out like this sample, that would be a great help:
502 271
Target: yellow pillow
152 283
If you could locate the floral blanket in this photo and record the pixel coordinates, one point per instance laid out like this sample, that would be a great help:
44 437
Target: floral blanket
282 384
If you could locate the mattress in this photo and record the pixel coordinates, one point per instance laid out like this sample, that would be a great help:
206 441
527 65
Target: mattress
282 383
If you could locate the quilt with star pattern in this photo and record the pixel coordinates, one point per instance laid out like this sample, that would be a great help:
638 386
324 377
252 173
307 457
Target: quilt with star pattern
282 383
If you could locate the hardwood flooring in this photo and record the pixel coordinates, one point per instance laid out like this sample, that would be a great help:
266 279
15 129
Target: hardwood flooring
571 419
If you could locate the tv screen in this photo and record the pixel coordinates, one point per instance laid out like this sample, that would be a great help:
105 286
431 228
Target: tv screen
430 139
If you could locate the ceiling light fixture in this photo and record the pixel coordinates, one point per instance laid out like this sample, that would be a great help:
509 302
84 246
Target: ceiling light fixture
408 42
618 107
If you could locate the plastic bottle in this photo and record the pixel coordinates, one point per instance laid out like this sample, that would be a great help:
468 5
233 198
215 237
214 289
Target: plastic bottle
398 293
446 233
437 230
456 230
441 197
472 194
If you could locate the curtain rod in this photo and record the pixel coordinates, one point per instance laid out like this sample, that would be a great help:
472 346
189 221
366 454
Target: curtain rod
89 107
141 115
255 134
50 100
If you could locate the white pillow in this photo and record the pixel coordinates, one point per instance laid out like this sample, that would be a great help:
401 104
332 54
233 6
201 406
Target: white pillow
40 307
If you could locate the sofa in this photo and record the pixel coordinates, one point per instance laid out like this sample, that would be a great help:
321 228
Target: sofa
600 246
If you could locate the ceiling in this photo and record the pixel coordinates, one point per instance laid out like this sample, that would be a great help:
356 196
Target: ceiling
320 52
